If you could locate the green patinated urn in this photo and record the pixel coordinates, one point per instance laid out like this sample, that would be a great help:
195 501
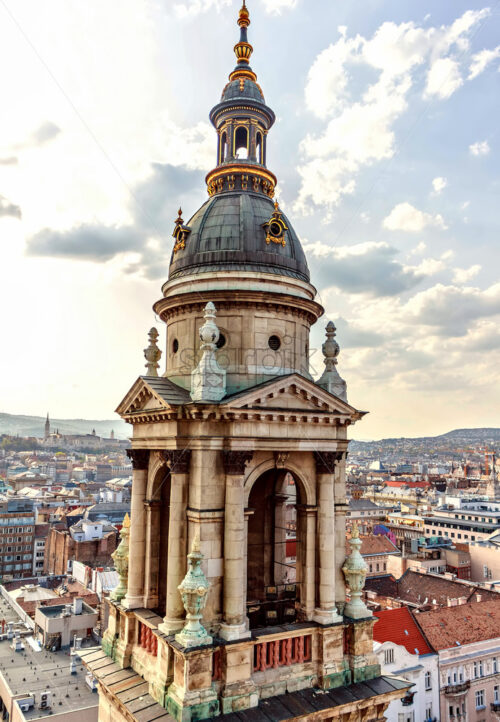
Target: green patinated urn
120 558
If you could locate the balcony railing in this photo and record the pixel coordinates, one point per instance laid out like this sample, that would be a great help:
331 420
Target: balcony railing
495 706
454 689
282 653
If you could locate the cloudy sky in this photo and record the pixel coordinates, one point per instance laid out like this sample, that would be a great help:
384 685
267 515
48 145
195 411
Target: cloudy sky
387 148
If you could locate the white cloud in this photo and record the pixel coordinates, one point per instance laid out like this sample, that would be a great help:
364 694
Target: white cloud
405 217
482 147
195 7
276 7
462 275
359 119
439 184
481 60
191 8
420 248
452 309
443 78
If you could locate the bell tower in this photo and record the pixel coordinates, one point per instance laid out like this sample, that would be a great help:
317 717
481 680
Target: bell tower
234 570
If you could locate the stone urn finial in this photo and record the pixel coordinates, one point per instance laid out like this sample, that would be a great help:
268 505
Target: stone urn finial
331 380
152 354
208 380
120 558
355 569
194 589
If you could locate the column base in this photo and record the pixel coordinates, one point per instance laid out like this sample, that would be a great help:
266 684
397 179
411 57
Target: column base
327 616
133 602
171 626
232 632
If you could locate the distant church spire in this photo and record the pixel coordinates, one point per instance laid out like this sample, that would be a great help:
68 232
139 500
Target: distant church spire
47 427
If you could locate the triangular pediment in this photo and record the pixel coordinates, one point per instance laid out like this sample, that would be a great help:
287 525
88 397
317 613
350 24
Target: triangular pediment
291 393
151 393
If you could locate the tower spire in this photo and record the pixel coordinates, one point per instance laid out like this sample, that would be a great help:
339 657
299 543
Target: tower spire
243 50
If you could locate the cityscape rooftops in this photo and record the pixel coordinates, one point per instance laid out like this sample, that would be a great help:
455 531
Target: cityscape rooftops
34 671
453 627
398 626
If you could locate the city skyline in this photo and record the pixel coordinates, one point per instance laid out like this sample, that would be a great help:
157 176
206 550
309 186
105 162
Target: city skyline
384 147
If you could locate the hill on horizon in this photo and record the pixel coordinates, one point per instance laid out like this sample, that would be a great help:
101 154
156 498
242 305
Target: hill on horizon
456 438
20 425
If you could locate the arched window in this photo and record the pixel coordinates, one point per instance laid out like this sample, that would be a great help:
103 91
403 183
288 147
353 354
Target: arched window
260 150
275 553
241 143
223 147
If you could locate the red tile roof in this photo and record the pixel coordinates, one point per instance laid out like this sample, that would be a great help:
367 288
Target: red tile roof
454 626
398 626
377 544
409 484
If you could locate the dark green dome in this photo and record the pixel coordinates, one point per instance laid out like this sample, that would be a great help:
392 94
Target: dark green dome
247 90
227 233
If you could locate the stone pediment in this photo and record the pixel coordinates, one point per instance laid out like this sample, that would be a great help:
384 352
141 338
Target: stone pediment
291 393
153 393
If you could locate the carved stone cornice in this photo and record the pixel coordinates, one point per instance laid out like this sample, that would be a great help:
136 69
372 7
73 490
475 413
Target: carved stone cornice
235 461
139 459
326 461
178 460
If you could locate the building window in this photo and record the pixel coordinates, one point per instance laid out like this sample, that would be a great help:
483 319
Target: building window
428 680
428 713
480 699
494 665
388 656
406 716
496 693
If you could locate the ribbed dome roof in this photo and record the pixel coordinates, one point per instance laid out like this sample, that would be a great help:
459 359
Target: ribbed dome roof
227 234
247 89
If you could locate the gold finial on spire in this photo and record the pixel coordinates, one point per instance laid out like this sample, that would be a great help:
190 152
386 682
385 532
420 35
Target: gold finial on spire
244 16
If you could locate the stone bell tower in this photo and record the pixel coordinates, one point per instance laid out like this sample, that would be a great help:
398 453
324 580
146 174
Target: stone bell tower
233 572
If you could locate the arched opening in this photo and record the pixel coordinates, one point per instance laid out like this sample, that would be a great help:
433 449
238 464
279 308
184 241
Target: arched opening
260 149
157 510
273 576
241 143
223 147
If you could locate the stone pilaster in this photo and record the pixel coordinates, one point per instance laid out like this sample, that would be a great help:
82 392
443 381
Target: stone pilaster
192 696
306 560
135 593
326 611
151 567
363 663
179 463
234 625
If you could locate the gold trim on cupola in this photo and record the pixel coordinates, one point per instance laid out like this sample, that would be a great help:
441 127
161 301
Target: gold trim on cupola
275 227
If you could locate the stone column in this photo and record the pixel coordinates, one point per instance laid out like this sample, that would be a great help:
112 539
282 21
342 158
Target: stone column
234 625
306 559
326 612
178 461
152 560
135 593
341 509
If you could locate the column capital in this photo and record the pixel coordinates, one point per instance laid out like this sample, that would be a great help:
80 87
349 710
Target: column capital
152 503
177 460
235 461
326 461
139 459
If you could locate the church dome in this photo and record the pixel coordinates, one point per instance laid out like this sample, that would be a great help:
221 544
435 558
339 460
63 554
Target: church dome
241 231
245 88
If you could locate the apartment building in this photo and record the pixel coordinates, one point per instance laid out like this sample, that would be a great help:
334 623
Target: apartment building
470 521
17 528
467 639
